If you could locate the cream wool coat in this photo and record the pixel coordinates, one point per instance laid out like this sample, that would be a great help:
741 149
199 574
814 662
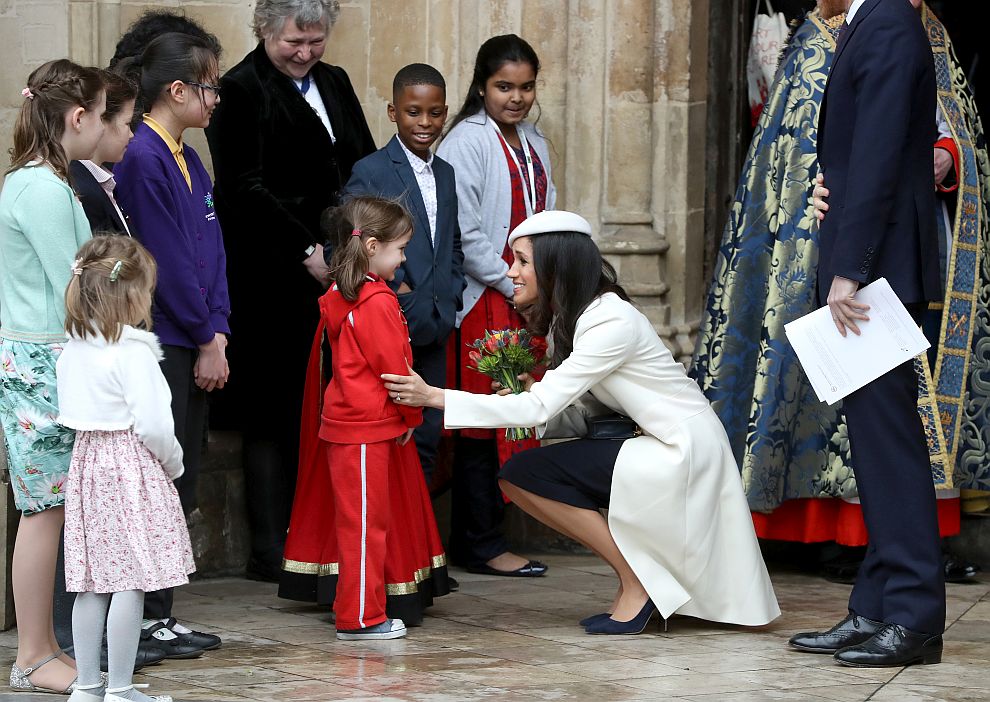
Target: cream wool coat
677 510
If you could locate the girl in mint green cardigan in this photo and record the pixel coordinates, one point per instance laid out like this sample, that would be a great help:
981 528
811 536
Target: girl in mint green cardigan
42 225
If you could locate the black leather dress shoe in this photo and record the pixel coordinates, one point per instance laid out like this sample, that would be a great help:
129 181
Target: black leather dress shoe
850 631
453 584
958 570
533 569
892 647
206 642
171 645
147 654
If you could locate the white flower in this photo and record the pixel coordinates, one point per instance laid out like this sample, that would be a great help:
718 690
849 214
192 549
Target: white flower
28 420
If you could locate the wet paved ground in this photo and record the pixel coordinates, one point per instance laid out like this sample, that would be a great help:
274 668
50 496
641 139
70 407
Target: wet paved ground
518 639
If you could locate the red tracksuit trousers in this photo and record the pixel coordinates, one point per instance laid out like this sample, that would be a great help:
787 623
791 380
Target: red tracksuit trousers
359 476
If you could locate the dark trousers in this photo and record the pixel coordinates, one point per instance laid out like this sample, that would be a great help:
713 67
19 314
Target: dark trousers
189 415
477 506
901 580
430 362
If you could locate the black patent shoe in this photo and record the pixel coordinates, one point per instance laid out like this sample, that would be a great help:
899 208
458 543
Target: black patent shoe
533 569
892 647
850 631
958 570
147 654
206 642
161 637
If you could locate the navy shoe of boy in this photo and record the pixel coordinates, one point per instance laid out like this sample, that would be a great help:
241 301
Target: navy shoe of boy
388 629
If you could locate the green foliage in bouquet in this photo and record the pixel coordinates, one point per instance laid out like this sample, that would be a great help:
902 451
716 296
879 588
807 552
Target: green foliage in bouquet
503 356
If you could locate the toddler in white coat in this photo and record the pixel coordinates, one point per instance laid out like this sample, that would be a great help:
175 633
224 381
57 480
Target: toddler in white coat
125 533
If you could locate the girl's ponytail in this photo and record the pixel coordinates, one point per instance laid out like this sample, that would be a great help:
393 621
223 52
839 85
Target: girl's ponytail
346 229
52 90
113 279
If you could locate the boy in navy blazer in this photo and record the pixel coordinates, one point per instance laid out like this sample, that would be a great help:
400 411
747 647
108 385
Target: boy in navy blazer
431 280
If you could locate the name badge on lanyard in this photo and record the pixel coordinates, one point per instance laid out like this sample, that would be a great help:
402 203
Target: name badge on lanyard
529 175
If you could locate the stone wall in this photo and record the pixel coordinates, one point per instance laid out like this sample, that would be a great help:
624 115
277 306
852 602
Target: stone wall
622 97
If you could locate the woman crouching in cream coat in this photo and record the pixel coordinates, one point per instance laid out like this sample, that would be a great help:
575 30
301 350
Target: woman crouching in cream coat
679 533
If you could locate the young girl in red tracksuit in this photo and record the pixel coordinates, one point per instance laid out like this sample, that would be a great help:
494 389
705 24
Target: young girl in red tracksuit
382 536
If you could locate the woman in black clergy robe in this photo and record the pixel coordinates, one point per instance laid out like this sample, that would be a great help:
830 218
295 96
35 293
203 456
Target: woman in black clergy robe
284 138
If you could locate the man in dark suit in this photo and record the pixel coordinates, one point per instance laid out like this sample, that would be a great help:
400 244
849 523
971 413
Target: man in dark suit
284 138
875 130
431 279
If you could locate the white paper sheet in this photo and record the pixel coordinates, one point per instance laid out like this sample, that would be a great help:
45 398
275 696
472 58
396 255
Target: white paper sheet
837 365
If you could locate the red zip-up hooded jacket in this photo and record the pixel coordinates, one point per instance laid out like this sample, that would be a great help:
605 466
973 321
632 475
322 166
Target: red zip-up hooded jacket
368 337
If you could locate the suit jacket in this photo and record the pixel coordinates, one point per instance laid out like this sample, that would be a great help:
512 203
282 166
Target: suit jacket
676 506
100 212
875 134
434 271
277 170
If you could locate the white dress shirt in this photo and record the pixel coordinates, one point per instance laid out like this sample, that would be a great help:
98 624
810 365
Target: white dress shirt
427 182
853 9
315 101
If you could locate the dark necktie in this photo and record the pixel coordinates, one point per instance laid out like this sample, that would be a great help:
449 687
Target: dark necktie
843 34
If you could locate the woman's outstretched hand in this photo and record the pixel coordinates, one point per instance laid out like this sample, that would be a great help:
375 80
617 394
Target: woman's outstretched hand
412 391
525 378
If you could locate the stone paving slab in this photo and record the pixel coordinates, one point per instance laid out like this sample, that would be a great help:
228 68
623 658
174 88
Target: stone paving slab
513 639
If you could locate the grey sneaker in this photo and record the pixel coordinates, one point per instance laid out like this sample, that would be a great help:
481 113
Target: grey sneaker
388 629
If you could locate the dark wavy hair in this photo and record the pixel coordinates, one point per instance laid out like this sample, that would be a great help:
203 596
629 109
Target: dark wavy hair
168 58
492 55
570 274
153 24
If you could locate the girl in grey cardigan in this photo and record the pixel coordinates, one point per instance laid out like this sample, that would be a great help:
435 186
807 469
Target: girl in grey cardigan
502 171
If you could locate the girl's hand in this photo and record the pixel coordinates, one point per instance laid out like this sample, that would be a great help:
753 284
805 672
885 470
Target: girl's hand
412 391
526 379
210 371
404 439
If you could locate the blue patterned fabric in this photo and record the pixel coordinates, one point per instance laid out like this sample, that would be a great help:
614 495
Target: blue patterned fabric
787 443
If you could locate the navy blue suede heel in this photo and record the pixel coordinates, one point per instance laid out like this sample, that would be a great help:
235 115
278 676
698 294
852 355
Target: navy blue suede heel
636 625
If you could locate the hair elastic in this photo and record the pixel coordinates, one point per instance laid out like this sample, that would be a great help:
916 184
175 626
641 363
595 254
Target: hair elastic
115 271
27 93
76 267
355 232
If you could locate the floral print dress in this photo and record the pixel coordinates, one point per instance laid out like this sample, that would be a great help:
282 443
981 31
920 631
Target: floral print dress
38 448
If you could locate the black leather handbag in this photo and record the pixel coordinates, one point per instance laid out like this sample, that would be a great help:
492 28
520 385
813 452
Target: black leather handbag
612 426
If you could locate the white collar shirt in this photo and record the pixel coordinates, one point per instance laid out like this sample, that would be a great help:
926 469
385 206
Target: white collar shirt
423 170
315 100
853 9
106 181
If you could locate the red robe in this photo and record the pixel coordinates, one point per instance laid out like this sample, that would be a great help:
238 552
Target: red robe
339 481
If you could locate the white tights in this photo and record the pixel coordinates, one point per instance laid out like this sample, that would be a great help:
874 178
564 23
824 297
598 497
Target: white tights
123 635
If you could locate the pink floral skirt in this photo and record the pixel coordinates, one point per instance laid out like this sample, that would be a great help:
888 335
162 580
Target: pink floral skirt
124 526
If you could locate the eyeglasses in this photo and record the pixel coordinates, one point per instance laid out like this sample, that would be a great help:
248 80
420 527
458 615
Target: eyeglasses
206 86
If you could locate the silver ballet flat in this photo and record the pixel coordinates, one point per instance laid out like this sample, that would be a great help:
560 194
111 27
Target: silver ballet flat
19 678
20 683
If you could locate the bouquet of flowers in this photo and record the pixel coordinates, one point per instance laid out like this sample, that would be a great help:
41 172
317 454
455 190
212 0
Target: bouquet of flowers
503 356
